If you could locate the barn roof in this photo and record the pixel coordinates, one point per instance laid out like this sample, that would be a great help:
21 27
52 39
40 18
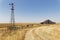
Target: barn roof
48 22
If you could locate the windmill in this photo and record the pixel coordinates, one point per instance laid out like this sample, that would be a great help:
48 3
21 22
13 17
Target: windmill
12 14
13 26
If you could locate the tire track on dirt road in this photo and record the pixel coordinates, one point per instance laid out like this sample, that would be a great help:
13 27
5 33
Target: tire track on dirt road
43 33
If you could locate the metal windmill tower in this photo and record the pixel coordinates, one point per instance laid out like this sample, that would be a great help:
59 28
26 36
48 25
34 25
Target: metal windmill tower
12 15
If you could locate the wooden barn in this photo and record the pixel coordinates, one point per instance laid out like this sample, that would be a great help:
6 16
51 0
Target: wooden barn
48 22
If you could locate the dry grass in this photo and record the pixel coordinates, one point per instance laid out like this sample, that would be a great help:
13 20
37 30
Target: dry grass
25 32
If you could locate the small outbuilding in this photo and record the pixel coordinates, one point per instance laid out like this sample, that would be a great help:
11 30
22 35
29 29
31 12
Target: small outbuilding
48 22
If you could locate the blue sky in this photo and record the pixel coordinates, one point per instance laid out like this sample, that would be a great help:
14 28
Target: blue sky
31 10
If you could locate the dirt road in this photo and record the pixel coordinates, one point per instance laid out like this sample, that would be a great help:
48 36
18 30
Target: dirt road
43 33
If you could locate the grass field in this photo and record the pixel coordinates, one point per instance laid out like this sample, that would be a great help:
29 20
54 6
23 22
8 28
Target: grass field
30 31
